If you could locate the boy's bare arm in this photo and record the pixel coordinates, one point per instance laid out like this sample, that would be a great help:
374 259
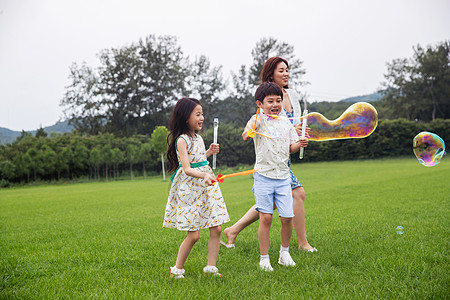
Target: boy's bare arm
249 126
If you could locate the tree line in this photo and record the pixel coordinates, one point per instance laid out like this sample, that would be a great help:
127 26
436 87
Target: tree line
107 157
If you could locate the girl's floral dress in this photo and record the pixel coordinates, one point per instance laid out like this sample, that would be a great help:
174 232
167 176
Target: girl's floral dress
192 205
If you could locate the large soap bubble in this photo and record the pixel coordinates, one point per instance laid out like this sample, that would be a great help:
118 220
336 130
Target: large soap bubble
428 148
358 121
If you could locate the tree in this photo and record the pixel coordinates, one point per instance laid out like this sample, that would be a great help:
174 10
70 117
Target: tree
7 170
205 83
63 160
23 135
159 143
95 158
106 158
164 70
240 105
419 87
36 161
80 157
130 91
49 159
117 158
41 133
144 156
132 157
82 101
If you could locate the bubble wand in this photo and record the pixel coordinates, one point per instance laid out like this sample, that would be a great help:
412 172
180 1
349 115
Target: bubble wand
220 178
252 132
304 123
216 127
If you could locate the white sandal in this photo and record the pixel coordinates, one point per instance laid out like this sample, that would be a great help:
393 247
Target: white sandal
211 270
176 273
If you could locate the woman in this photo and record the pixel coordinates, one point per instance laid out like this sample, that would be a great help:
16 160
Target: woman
276 69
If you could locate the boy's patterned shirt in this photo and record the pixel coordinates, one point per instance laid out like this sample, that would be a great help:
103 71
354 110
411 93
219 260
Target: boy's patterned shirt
272 155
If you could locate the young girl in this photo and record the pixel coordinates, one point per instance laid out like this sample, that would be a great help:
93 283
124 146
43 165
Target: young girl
194 202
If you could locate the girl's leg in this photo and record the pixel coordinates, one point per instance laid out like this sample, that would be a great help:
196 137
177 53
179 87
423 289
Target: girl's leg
213 244
298 195
232 232
185 248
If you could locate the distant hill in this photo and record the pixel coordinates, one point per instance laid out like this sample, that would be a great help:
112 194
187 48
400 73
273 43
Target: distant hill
9 136
364 98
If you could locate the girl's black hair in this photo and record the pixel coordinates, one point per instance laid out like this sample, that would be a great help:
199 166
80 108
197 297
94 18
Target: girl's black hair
178 126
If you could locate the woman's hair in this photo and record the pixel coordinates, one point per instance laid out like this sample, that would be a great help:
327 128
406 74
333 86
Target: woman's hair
269 68
178 126
267 89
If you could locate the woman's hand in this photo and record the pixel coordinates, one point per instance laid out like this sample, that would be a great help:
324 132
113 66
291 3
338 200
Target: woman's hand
298 128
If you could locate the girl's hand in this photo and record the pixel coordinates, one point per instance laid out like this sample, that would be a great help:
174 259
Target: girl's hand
298 128
214 148
209 179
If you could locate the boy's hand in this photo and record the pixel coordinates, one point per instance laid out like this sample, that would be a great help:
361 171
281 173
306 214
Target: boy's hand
303 141
208 179
245 135
249 126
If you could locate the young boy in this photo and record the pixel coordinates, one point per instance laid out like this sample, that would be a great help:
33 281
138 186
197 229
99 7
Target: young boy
272 181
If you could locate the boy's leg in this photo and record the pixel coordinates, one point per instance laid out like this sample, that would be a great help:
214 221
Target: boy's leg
213 244
265 221
286 231
185 248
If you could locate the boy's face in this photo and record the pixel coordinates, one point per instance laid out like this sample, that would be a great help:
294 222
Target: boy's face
271 105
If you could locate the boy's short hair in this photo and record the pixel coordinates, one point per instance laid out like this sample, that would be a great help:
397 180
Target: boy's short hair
267 88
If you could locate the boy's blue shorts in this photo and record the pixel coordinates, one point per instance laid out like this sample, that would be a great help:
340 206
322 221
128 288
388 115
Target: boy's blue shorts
269 191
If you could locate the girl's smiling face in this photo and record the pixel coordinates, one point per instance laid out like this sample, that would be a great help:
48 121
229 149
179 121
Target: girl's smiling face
281 75
195 121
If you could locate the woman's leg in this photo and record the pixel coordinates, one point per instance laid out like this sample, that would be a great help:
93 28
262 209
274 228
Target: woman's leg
213 244
298 195
232 232
185 248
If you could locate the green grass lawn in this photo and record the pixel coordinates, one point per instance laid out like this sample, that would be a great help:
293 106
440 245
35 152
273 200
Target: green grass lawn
104 240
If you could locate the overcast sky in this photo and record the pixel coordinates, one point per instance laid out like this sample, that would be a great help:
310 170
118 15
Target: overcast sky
344 44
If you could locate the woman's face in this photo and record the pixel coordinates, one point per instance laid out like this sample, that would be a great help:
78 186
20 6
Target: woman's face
281 75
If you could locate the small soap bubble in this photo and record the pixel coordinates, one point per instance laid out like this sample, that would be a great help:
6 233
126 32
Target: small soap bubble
428 148
400 230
